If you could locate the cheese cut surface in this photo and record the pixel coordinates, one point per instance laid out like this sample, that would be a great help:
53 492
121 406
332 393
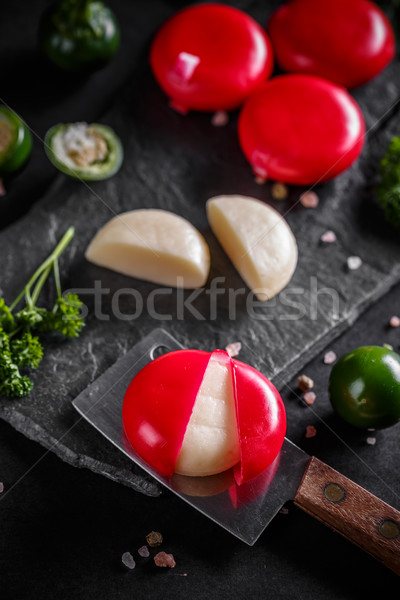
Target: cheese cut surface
258 241
211 442
154 245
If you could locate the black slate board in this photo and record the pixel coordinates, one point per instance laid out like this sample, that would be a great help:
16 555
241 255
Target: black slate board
176 163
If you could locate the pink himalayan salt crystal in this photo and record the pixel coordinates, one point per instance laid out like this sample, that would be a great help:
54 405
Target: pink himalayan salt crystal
2 188
260 180
220 118
394 321
328 237
371 441
309 199
162 559
144 551
233 349
329 357
309 398
1 487
310 431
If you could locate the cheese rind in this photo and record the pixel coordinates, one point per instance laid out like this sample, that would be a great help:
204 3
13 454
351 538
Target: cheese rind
211 442
258 241
154 245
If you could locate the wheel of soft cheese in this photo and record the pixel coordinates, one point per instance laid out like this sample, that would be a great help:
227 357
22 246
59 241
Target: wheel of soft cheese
199 413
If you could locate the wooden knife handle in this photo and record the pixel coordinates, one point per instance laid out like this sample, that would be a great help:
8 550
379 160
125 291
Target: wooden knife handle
353 512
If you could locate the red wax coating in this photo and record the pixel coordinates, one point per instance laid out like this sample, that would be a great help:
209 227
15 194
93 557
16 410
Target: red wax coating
301 129
254 488
160 399
261 418
158 404
346 41
210 56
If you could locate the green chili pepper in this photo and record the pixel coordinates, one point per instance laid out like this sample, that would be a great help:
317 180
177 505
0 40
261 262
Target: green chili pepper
15 142
364 387
79 35
89 152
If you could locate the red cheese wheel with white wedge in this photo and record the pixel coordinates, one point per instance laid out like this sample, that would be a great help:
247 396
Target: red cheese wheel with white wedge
199 413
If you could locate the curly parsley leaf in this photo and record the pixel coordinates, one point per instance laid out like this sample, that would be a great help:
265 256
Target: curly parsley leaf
7 321
388 189
27 351
12 383
20 347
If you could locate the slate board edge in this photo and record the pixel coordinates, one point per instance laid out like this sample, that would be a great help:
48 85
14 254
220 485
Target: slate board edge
34 432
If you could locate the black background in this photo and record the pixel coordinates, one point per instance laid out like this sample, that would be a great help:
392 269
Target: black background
63 530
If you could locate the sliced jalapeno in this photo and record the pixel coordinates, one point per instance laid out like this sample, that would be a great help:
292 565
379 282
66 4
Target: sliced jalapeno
15 142
89 152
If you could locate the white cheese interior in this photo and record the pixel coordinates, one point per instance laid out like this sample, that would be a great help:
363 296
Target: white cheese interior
211 442
154 245
258 241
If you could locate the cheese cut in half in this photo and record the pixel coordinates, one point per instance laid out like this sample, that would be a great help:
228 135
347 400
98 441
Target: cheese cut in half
211 442
258 241
200 413
154 245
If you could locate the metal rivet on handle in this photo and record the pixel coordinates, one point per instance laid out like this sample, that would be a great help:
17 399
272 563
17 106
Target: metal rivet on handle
334 492
389 529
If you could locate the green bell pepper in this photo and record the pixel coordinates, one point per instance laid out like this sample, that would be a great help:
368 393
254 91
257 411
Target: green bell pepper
79 35
364 387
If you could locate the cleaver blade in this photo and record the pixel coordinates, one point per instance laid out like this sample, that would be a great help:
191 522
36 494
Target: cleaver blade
246 510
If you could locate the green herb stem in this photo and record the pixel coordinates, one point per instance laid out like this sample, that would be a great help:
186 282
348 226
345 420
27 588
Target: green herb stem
48 263
40 283
57 280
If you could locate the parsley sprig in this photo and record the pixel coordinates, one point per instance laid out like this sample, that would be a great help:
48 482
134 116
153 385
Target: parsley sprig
20 346
388 190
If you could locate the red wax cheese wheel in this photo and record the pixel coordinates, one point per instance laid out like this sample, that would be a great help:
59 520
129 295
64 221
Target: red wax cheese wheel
210 56
347 42
160 400
301 129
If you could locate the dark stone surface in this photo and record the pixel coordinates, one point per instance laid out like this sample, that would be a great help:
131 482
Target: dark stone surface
73 522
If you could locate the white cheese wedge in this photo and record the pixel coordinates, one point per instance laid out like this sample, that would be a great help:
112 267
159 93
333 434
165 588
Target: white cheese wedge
258 241
154 245
211 442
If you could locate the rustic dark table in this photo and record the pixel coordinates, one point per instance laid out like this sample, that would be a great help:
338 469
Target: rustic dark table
64 529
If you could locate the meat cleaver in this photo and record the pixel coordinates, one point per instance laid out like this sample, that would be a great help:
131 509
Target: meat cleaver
246 510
